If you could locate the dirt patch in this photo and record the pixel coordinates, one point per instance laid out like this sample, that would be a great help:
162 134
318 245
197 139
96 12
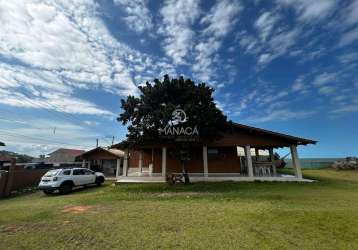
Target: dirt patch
76 209
84 209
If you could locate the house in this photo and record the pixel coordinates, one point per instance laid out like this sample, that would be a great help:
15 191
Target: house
229 158
63 155
105 160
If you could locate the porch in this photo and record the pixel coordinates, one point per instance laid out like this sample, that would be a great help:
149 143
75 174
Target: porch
250 167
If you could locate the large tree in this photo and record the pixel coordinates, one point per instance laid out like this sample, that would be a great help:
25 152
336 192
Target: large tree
149 112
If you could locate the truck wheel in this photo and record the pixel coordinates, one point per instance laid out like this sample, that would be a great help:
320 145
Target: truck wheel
99 180
66 188
47 191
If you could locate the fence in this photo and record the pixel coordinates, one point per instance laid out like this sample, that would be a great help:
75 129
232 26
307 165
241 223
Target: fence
314 162
17 177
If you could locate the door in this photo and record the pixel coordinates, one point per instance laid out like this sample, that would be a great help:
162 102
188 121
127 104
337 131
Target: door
79 177
89 177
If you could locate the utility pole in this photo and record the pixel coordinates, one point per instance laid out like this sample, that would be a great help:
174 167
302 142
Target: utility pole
112 140
97 143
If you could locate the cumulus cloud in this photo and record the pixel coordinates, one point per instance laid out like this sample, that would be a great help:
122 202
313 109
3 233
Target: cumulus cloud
138 16
42 136
64 39
350 13
52 101
349 37
63 46
178 17
221 18
308 10
324 78
281 115
219 22
265 24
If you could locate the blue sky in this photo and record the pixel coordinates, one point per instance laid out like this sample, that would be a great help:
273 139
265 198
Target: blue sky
285 65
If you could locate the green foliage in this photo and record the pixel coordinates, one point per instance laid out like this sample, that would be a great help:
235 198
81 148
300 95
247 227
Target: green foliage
152 110
2 144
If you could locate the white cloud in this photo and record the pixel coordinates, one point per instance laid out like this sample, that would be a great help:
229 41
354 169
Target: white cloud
349 37
52 101
265 24
350 14
220 21
265 58
326 90
324 78
348 58
221 18
64 40
42 136
311 10
278 45
178 17
138 15
281 115
62 46
299 86
345 109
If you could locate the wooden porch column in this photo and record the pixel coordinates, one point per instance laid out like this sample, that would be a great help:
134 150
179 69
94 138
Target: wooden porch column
250 169
83 163
89 164
272 159
125 163
140 163
164 161
205 161
296 162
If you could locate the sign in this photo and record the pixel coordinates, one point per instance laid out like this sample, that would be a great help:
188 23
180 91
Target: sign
176 129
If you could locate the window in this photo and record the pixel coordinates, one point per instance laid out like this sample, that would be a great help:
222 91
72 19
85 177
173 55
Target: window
66 172
78 172
213 151
88 172
52 173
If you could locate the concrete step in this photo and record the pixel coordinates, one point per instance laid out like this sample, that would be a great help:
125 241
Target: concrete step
141 179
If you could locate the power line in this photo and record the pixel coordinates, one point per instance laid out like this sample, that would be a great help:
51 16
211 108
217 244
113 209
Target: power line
37 138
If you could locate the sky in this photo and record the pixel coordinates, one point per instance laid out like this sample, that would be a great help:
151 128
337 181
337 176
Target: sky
283 65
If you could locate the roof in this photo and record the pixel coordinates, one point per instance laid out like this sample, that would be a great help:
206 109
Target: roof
297 140
112 151
241 135
5 159
73 152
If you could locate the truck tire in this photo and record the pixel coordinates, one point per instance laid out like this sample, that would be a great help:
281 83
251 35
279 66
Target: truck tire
66 188
99 180
48 192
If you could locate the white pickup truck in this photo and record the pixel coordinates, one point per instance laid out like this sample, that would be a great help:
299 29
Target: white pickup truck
64 180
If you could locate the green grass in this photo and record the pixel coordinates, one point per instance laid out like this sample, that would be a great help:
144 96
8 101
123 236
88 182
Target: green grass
321 215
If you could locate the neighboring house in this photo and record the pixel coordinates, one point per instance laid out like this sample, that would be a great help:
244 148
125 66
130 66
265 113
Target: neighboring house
63 155
105 160
229 158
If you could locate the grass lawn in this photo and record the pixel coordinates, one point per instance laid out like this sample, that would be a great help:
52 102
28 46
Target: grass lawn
321 215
